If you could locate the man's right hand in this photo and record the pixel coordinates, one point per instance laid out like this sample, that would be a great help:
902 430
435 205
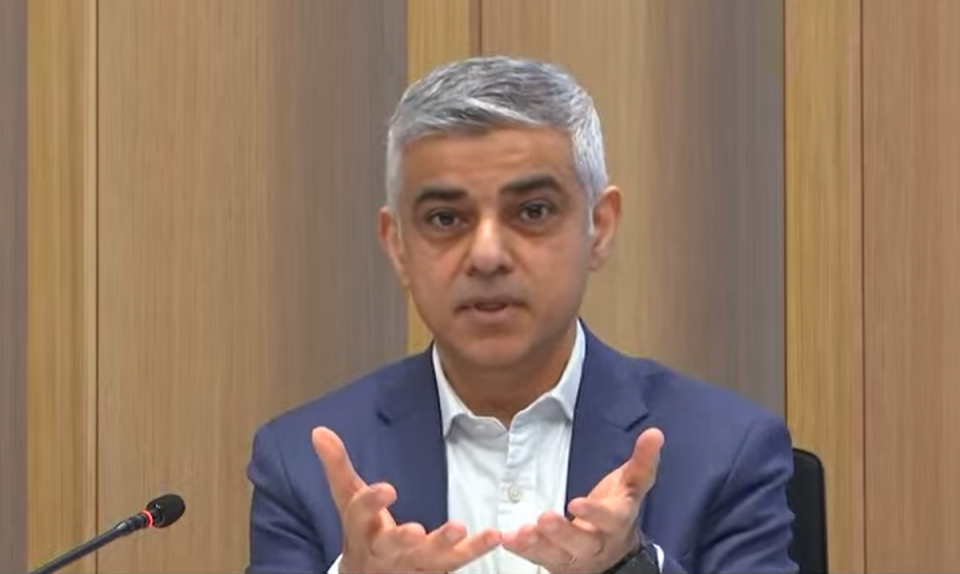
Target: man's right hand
372 540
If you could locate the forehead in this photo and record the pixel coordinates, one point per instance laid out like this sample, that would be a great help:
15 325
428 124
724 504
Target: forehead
486 161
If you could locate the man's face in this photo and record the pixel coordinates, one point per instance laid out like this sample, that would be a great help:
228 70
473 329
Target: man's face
492 237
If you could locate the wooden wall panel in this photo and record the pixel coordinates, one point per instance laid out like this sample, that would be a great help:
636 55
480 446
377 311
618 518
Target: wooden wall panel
62 265
691 95
825 383
13 284
912 284
241 169
438 31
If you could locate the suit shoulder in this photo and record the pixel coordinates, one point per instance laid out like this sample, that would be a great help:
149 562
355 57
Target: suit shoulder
668 393
341 408
710 430
697 403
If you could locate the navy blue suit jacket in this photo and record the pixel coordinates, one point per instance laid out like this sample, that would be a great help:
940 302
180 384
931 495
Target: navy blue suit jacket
719 502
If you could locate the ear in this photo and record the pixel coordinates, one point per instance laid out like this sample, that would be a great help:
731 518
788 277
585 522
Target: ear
606 217
388 226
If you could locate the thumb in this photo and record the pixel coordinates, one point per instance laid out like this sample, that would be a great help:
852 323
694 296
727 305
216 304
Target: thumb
640 472
343 479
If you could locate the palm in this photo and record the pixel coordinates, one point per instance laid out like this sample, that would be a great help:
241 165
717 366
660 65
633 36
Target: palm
383 521
604 525
621 491
610 488
372 540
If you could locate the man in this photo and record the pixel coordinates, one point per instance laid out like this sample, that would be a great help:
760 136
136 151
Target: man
518 442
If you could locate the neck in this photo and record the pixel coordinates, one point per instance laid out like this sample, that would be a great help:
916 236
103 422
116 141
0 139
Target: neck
504 391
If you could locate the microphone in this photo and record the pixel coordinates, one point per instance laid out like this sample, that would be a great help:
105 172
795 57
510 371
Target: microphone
159 513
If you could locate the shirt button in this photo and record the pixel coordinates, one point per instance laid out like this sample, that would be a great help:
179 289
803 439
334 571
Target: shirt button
514 493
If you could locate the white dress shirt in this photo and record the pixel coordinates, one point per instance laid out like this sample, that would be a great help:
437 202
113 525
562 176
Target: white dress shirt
504 478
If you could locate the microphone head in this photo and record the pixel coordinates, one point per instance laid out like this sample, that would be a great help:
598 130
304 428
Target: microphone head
166 509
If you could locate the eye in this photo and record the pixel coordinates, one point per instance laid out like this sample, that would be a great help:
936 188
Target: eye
535 211
443 219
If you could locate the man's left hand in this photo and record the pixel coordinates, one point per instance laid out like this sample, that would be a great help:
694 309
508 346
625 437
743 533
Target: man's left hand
603 530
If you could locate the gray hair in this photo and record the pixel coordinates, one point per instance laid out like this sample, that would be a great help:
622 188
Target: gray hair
479 94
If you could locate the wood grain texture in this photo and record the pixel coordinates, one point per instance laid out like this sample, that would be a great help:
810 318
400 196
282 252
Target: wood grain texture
824 195
438 31
241 170
62 275
13 285
911 152
691 98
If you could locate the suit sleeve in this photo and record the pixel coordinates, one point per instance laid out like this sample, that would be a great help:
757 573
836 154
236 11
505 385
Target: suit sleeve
282 540
749 528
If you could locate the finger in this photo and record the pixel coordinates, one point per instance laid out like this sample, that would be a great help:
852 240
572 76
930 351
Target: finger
344 481
518 540
396 542
443 540
577 539
522 541
530 544
475 546
609 519
465 551
365 514
639 472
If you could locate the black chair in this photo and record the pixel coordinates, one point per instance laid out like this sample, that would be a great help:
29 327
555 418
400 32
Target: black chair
806 495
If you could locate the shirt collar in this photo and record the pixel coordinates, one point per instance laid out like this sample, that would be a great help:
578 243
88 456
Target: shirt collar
563 393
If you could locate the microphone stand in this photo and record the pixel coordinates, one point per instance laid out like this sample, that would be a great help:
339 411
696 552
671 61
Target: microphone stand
118 531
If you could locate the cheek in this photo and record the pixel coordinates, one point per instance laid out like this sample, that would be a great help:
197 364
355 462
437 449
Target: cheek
431 271
560 271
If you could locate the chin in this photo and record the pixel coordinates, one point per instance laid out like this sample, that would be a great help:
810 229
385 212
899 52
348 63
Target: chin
490 351
493 355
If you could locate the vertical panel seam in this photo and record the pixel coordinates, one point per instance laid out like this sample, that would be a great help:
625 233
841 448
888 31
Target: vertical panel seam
785 343
478 16
95 78
862 287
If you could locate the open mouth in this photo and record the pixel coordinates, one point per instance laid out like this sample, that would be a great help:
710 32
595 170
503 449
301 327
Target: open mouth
490 307
489 310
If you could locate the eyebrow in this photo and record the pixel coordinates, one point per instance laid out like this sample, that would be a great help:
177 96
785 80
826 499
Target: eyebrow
438 193
520 186
542 181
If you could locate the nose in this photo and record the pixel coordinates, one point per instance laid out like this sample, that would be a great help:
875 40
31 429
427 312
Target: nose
488 254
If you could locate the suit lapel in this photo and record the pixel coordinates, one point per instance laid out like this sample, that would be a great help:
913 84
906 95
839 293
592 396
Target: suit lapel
607 417
411 445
